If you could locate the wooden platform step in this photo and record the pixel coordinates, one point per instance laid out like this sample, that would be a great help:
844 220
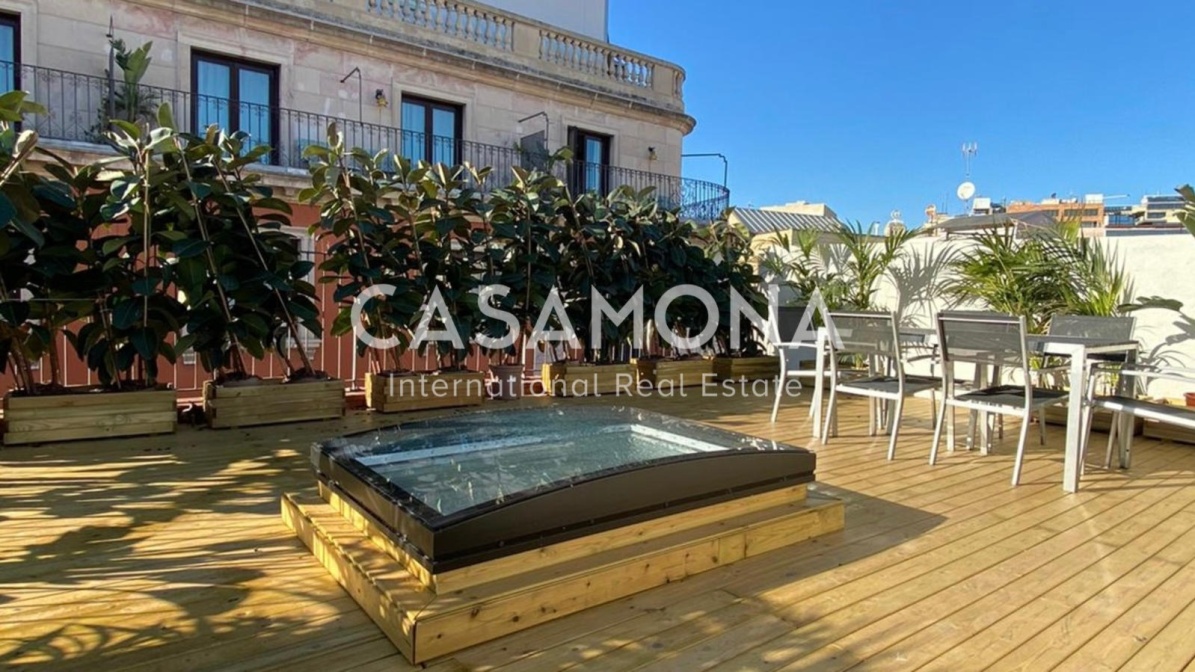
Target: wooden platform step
424 625
545 557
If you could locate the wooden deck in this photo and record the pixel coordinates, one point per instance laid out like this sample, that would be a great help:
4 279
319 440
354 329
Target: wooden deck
169 553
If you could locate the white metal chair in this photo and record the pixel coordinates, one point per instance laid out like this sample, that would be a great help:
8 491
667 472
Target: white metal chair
873 337
792 353
997 342
1125 401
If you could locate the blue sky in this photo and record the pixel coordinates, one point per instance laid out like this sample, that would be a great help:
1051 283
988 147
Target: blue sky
865 104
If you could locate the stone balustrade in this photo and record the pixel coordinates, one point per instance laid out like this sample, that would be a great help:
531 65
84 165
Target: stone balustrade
553 51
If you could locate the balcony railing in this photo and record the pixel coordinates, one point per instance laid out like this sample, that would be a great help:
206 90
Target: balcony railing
77 107
519 37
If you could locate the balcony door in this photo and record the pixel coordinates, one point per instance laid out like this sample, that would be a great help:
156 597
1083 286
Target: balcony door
235 95
10 52
591 161
431 131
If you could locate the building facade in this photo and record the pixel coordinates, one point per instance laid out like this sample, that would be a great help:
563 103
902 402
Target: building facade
1088 211
437 80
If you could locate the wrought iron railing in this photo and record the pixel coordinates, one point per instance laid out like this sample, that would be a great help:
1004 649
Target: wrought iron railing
78 107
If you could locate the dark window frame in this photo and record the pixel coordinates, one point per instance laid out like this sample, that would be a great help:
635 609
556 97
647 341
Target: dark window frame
235 65
14 20
429 138
576 141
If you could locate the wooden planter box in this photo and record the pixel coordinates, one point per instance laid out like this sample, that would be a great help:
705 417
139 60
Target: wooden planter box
670 373
1158 430
271 402
424 391
1100 422
582 380
750 368
83 415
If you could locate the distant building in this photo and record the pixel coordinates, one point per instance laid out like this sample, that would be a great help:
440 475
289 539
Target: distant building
1019 223
776 225
1089 211
803 208
1159 211
1119 216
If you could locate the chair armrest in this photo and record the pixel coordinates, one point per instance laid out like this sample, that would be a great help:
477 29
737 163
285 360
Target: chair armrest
1147 373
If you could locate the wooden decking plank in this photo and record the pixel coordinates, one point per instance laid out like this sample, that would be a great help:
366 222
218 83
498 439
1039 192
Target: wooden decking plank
596 643
1112 647
936 630
959 610
1062 619
857 604
225 487
1171 649
724 645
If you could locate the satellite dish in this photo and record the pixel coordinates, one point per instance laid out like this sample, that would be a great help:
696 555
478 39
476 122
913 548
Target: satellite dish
965 191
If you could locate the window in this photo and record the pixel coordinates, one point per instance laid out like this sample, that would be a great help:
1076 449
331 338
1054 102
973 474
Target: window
431 131
10 52
305 247
591 161
235 95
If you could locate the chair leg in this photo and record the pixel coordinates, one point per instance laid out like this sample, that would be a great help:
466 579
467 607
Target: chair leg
831 415
1041 426
942 413
1126 458
1085 437
1113 431
780 385
1016 467
897 411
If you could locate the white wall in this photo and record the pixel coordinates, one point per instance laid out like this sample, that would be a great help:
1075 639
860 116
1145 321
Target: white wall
1158 265
587 17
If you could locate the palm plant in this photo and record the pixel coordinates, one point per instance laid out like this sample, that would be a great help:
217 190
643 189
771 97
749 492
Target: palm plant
867 261
125 99
1040 275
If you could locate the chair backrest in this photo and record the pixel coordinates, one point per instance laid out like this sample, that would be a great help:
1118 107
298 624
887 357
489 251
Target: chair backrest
865 334
986 339
788 320
1092 326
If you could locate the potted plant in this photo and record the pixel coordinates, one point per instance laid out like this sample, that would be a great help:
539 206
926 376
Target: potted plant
377 223
672 257
447 234
522 255
92 267
243 281
602 255
729 246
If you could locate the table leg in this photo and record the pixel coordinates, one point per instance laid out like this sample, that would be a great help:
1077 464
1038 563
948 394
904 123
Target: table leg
820 379
1074 421
1126 386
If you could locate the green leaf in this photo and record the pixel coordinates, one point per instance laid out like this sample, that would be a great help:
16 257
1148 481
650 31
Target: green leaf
256 325
166 117
191 247
126 314
146 342
8 211
145 287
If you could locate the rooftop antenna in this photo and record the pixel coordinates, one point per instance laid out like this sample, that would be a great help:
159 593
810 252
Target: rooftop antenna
970 149
966 190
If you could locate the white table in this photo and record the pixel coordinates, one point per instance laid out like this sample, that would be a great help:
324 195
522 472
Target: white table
1078 349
